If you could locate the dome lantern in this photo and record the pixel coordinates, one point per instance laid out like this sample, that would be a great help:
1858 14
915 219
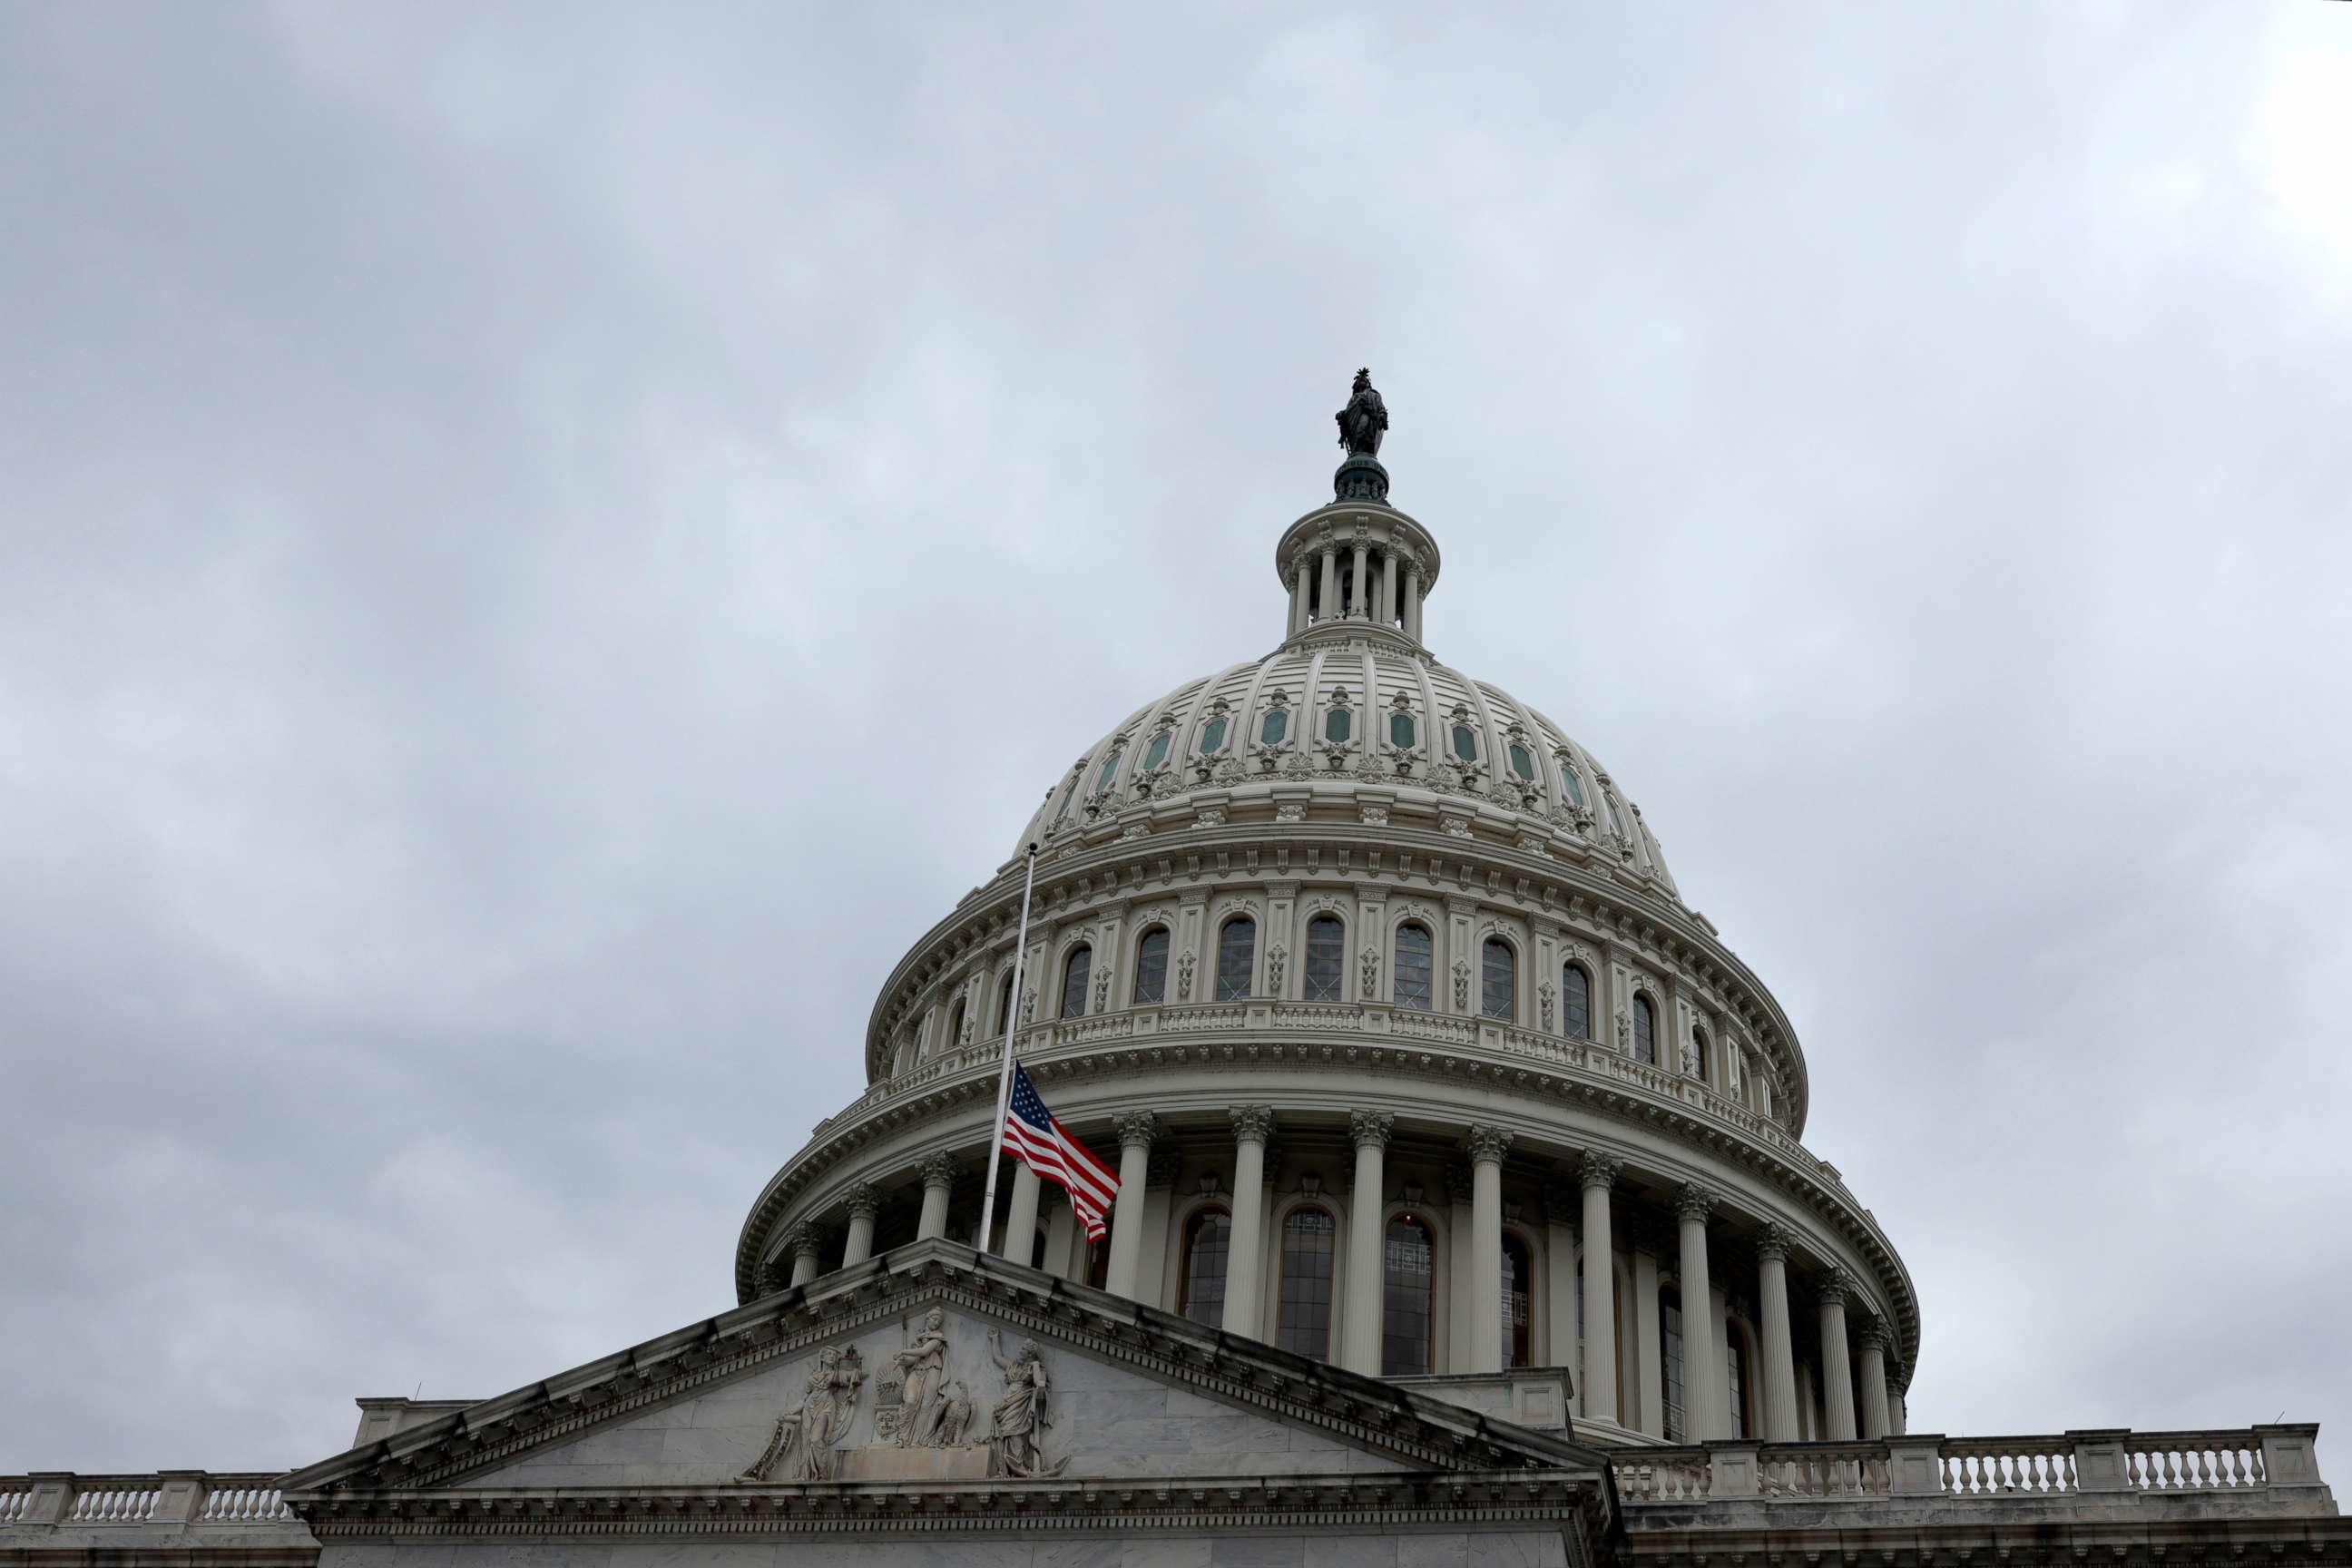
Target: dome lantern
1357 569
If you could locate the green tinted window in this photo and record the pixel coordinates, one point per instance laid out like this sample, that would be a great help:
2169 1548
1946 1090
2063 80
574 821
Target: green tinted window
1575 785
1465 743
1158 754
1213 738
1400 730
1276 725
1336 726
1521 764
1110 767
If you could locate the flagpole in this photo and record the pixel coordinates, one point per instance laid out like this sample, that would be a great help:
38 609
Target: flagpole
1004 1076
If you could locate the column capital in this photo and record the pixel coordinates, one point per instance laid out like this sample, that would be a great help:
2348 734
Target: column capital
1488 1144
804 1240
1372 1128
1598 1169
1773 1244
940 1170
865 1200
1833 1285
1252 1123
1693 1201
1872 1335
1136 1129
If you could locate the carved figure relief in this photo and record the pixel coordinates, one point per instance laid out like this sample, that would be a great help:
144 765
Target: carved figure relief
1370 964
1461 985
1017 1435
1544 998
918 1417
1275 957
1185 975
819 1422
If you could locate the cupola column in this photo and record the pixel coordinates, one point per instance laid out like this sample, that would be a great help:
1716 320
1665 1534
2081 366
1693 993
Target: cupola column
1872 1340
1359 603
1388 581
1413 600
938 1182
1780 1357
1327 600
1360 1347
864 1203
806 1244
1019 1242
1701 1358
1135 1130
1298 596
1486 1148
1597 1174
1837 1369
1244 1310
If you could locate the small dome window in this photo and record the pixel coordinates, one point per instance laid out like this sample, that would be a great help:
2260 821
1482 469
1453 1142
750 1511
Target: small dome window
1574 785
1575 1003
1158 752
1615 820
1465 742
1400 731
1110 771
1337 725
1212 736
1521 764
1276 725
1070 791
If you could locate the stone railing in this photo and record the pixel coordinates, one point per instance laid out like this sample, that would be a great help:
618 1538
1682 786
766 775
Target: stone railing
170 1499
2274 1463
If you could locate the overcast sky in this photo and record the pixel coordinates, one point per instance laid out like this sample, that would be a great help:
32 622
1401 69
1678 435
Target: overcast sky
540 547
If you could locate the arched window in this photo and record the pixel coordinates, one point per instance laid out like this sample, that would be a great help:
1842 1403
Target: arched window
1735 1364
1327 954
1004 1004
1074 970
1698 1054
1212 736
955 1027
1465 742
1645 1031
1670 1358
1518 1276
1237 953
1498 979
1575 1004
1407 1297
1207 1237
1152 966
1412 944
1305 1322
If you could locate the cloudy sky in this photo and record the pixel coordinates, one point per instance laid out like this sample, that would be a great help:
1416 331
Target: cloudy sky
543 547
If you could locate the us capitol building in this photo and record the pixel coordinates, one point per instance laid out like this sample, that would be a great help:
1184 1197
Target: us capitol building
1465 1216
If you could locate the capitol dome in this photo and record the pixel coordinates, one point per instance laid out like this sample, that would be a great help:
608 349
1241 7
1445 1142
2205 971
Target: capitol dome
1374 987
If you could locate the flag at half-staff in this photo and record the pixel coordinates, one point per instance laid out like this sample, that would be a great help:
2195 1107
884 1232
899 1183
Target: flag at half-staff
1046 1147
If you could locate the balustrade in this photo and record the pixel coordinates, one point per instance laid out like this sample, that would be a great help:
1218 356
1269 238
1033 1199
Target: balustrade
2194 1461
181 1499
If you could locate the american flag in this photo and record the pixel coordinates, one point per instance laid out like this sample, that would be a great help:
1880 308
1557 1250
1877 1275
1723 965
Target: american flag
1045 1147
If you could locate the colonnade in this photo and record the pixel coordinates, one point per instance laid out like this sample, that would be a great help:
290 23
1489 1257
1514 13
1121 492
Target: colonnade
1855 1400
1383 584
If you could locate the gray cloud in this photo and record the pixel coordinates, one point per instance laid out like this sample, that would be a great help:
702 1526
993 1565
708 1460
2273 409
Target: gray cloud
544 548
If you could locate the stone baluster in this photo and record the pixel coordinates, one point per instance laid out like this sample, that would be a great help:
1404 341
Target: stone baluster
1780 1354
805 1243
1135 1132
938 1182
1837 1369
1361 1347
864 1203
1872 1339
1702 1353
1487 1146
1597 1174
1243 1308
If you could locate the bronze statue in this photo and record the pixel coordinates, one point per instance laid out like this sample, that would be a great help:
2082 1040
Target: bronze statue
1365 419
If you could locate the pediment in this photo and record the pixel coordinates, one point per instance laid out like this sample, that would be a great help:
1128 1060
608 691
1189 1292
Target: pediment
933 1365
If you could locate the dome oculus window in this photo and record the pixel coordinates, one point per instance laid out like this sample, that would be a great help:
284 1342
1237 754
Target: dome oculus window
1075 971
1498 979
1412 959
1152 966
1212 736
1400 731
1465 742
1327 942
1237 954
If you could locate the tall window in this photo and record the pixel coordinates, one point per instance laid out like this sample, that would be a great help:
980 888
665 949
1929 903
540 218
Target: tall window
1236 952
1005 1004
955 1027
1208 1235
1305 1324
1498 979
1074 970
1645 1031
1326 943
1670 1359
1152 966
1518 1275
1698 1053
1406 1294
1735 1363
1575 1004
1412 967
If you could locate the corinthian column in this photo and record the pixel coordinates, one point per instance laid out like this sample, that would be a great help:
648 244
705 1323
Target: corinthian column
1598 1174
1361 1350
864 1203
1020 1240
1487 1145
1872 1338
1246 1249
805 1243
1326 597
1693 1204
1360 603
939 1182
1135 1130
1780 1354
1837 1371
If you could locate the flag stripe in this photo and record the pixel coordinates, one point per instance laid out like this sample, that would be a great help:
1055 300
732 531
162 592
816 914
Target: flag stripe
1045 1146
